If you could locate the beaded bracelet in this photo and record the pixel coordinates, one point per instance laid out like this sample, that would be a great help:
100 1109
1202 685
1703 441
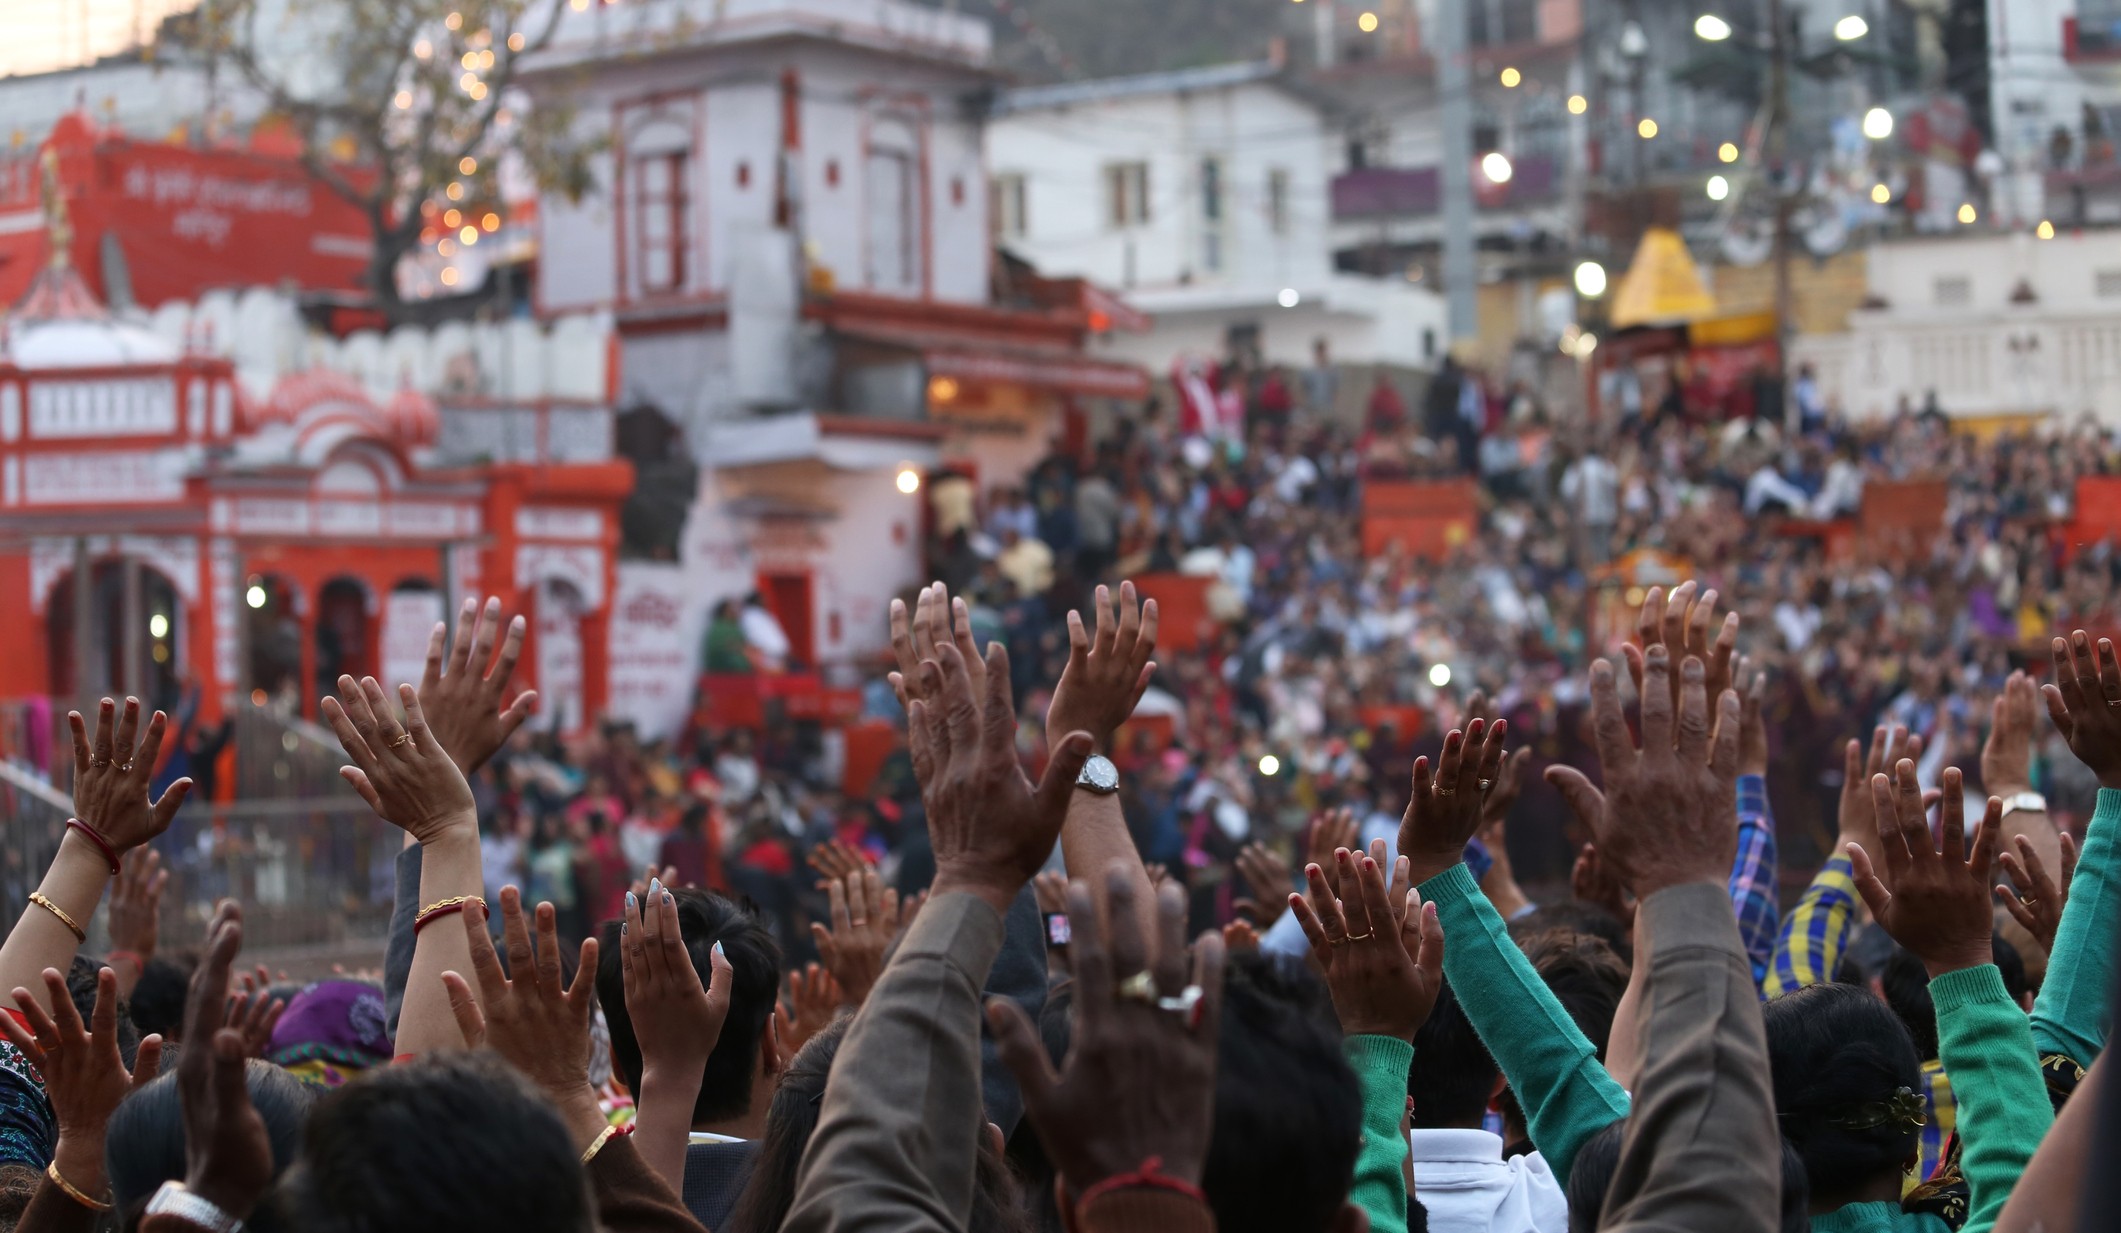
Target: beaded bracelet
444 907
96 837
38 898
95 1205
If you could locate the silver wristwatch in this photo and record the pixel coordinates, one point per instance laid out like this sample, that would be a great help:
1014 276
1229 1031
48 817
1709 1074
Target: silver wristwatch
2030 801
1099 776
174 1200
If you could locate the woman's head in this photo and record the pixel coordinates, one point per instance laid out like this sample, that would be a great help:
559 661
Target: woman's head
144 1146
1847 1086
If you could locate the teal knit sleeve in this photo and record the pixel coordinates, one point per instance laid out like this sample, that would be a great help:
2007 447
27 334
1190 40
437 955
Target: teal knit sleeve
1987 1050
2069 1016
1552 1067
1381 1064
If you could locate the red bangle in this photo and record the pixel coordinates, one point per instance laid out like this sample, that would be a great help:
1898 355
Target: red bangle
96 837
139 964
436 911
1148 1175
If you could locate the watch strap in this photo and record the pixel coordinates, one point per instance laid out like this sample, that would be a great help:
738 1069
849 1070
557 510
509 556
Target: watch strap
2030 801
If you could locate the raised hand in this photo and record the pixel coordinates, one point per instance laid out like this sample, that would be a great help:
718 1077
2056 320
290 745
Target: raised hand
1752 721
865 920
931 626
676 1021
1139 1080
112 773
836 859
227 1153
1383 960
1680 624
136 905
463 700
1858 817
1669 813
2007 755
1267 875
254 1012
2084 700
402 771
2040 907
990 828
84 1074
1594 882
1328 833
813 1002
1445 811
1935 903
535 1023
651 876
1106 675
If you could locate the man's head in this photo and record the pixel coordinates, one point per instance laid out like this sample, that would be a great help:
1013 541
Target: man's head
747 1056
1453 1078
1584 974
1288 1110
454 1140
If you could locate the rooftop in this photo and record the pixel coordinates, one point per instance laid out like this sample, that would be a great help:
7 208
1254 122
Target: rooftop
1106 89
657 27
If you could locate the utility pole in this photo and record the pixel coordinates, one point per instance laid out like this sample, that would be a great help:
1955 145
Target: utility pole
1456 104
1777 161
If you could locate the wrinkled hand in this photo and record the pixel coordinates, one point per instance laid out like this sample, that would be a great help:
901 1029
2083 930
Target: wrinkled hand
464 707
1680 624
835 859
112 774
1858 817
2040 909
813 1002
2084 700
84 1074
1594 882
2007 755
1934 903
402 771
916 639
1382 959
136 903
1267 875
1139 1080
675 1020
1106 675
227 1153
865 921
1445 811
534 1022
1669 813
990 828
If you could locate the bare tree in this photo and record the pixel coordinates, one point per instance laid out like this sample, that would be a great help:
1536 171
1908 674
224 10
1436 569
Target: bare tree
404 107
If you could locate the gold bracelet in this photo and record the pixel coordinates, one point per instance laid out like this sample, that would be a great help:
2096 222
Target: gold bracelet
52 1171
38 898
597 1145
454 901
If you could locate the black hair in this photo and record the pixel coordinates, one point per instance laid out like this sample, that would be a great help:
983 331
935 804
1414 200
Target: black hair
144 1146
1578 916
1288 1109
455 1141
1453 1075
1906 985
705 918
1591 1176
1834 1049
1583 974
81 990
157 1003
797 1100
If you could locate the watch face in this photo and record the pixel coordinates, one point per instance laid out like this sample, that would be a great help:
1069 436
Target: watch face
1099 775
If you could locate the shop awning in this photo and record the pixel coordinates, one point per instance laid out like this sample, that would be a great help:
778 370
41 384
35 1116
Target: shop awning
1662 286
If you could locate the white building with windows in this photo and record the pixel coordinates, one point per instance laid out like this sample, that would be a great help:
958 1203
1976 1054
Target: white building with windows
1203 196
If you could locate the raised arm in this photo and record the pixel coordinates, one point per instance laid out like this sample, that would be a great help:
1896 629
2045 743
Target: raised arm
114 814
1752 882
898 1130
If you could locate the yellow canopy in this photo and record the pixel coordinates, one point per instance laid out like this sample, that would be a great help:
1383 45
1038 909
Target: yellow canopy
1662 285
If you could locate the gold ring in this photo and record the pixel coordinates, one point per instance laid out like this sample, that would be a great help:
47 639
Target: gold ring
1443 791
1140 987
1485 784
1355 937
400 739
98 763
125 767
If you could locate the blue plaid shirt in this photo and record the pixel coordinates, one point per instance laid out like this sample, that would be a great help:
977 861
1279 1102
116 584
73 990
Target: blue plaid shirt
1753 875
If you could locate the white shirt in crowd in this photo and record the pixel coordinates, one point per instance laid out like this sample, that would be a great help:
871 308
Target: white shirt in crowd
1468 1187
1591 486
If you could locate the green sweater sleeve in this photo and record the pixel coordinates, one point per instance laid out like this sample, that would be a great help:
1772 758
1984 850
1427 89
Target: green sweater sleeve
1381 1064
1552 1067
2069 1017
1986 1046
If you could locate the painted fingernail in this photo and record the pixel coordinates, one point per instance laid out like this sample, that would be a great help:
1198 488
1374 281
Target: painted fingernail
654 885
669 899
718 951
629 901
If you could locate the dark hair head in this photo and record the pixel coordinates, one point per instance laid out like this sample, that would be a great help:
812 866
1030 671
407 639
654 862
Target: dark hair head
705 918
1591 1176
1906 985
1577 916
1453 1077
1584 974
452 1141
797 1098
145 1143
157 1003
81 990
1837 1052
1288 1110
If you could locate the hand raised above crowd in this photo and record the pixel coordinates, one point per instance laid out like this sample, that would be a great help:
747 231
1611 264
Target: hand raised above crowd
866 919
990 827
84 1074
112 775
1139 1081
1934 902
227 1153
2007 755
463 699
936 620
1267 875
1447 806
1382 957
135 921
1680 624
2038 900
1106 674
1858 817
836 859
813 1002
2084 700
401 770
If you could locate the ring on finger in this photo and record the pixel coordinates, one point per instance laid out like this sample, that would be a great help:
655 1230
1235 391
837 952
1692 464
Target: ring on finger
401 738
1443 791
1186 1005
125 767
1140 987
99 763
1485 784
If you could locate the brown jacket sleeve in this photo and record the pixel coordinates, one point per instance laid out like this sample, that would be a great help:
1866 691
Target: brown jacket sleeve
1702 1154
633 1198
896 1137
